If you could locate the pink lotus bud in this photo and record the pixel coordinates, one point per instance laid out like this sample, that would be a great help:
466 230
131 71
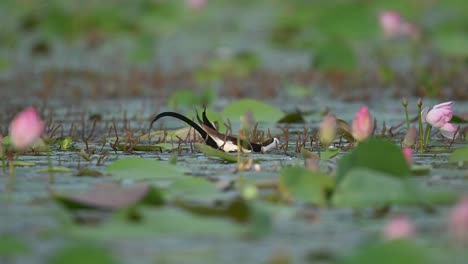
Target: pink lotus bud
408 153
26 128
410 137
362 124
458 221
394 26
399 228
390 21
439 116
196 4
328 130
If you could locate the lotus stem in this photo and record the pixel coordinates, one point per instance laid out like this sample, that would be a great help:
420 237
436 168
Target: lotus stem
421 136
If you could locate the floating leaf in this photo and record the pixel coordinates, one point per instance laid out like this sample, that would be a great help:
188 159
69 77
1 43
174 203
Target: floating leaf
11 246
365 187
191 98
375 154
291 118
395 251
18 163
111 196
157 147
192 188
152 222
452 44
54 169
237 209
459 155
329 154
142 169
82 253
88 172
215 153
335 55
304 185
260 111
420 169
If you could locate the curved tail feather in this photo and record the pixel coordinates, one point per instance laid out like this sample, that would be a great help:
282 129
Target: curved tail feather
189 122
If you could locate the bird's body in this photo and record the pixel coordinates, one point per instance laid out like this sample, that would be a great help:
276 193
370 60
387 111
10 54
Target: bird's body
217 140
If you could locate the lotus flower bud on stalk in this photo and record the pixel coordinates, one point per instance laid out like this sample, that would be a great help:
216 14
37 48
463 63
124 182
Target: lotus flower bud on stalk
399 228
362 124
410 137
26 128
458 221
196 4
328 130
408 153
393 25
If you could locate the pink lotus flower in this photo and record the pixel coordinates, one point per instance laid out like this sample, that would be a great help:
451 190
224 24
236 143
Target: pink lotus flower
408 153
439 116
196 4
399 228
26 128
362 124
458 221
394 26
328 130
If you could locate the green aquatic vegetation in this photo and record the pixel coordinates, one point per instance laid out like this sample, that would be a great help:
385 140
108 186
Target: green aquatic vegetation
376 154
459 156
301 184
215 153
138 169
82 252
189 99
11 246
261 112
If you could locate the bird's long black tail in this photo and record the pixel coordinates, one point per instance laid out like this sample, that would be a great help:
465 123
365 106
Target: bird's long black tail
189 122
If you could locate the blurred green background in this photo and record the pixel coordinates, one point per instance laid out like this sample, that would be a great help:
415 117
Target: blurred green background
339 39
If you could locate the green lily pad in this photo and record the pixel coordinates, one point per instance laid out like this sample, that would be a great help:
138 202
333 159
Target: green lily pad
144 222
304 185
193 188
459 155
215 153
395 251
191 98
452 44
111 196
420 169
260 111
54 169
82 253
376 154
365 187
143 169
11 246
329 154
18 163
